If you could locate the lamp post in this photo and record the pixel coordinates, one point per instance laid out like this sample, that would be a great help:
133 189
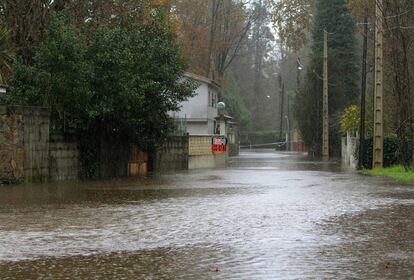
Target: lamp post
299 67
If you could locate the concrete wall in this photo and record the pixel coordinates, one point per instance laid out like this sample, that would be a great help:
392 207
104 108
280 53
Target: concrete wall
24 144
64 158
173 155
349 148
201 154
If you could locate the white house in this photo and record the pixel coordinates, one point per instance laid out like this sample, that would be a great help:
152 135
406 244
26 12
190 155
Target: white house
200 112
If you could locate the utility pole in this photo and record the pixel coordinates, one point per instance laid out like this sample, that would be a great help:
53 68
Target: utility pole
378 148
282 104
325 136
363 93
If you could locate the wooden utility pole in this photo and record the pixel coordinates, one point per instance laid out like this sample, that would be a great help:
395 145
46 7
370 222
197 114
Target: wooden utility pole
363 93
213 25
378 148
282 104
325 136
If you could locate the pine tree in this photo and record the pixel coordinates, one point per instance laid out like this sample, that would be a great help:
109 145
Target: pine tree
332 15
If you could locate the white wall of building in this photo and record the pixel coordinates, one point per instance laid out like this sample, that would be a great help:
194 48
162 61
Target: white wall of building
200 110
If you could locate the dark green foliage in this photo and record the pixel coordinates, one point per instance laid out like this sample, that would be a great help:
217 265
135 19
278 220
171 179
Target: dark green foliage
234 103
118 85
59 77
343 75
308 113
136 82
391 152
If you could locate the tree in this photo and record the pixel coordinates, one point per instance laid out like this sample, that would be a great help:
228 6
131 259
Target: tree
118 86
292 19
59 77
137 73
332 15
28 19
6 55
211 33
234 103
398 38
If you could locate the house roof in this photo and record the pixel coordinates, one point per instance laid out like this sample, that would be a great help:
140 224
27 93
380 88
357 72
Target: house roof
202 79
224 117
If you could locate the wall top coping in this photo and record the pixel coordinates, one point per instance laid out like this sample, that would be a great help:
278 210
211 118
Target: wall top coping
23 110
202 135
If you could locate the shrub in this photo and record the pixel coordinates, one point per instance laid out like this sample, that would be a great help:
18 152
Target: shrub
390 152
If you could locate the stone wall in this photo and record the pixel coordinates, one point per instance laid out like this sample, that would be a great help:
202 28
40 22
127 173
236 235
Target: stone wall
64 158
11 148
24 144
200 145
173 155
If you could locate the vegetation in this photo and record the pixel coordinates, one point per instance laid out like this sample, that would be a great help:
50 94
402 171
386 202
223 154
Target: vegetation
125 80
6 55
118 83
261 137
350 119
397 172
292 19
235 104
78 58
335 18
390 152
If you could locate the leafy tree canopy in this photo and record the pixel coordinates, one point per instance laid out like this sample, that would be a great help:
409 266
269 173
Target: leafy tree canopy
235 104
332 15
121 82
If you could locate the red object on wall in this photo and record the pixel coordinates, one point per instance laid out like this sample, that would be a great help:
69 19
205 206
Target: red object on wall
219 144
219 148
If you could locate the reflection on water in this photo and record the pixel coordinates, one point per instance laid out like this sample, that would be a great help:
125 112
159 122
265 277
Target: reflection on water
267 216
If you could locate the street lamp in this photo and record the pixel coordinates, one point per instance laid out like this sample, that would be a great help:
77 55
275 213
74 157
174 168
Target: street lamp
300 67
299 64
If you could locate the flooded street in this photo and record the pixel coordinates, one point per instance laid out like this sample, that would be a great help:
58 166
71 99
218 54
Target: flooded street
267 216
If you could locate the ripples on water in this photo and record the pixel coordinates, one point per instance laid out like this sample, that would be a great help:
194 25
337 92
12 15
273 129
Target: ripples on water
268 216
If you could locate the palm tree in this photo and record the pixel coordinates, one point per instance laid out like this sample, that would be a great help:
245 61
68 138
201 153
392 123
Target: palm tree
6 54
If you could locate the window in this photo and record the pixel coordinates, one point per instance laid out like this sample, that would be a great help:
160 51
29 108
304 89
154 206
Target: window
212 99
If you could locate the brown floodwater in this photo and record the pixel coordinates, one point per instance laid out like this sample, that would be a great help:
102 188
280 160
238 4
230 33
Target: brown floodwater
268 215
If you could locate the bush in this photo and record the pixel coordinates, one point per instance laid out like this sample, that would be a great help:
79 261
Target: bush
350 119
390 152
117 85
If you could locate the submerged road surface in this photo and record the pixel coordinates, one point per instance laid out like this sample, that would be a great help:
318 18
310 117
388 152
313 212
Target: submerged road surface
267 216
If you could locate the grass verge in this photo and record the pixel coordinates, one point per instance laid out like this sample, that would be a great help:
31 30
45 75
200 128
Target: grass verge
397 172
